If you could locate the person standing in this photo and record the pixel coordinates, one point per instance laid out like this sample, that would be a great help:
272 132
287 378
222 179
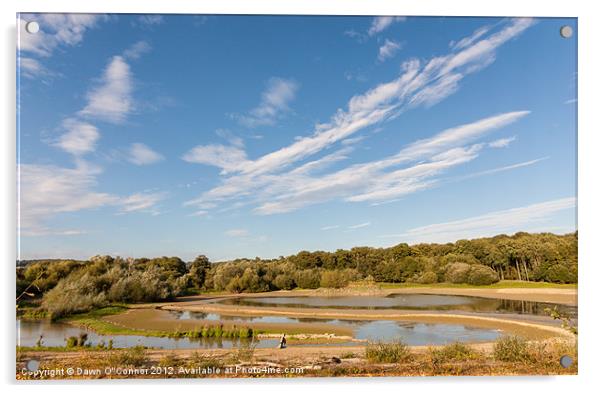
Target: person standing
282 343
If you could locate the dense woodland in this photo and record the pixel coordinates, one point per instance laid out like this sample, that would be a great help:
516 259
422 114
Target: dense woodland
68 286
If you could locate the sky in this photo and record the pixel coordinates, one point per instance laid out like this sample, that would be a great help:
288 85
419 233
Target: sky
244 136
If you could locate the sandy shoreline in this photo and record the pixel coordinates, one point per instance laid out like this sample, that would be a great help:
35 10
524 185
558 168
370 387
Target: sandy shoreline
546 295
566 296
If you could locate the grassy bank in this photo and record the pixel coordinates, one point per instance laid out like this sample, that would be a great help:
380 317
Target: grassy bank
94 320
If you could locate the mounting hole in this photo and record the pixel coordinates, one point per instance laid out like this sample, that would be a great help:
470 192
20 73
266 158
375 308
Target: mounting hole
32 27
566 31
33 365
566 361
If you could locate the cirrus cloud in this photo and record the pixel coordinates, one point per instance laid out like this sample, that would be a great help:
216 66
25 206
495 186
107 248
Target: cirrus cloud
141 154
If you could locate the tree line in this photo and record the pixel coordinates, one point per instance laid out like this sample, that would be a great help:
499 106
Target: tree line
70 286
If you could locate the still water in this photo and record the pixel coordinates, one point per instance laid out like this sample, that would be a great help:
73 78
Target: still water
404 302
411 333
56 334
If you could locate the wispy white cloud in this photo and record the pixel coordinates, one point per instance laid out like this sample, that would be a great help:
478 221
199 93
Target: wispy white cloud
269 181
53 232
229 158
137 50
32 68
380 23
329 227
502 168
80 138
56 30
388 50
503 221
374 181
466 41
356 35
274 102
503 142
230 137
571 101
141 202
140 154
353 141
237 232
457 136
358 226
199 213
151 19
47 190
111 101
418 85
379 180
323 162
357 75
415 178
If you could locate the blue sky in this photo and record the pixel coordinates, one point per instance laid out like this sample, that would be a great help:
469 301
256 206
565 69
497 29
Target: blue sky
244 136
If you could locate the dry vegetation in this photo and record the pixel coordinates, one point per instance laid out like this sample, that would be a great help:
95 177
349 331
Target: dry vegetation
509 356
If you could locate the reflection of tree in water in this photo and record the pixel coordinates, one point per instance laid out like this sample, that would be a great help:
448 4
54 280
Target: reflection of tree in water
199 315
318 320
236 318
534 308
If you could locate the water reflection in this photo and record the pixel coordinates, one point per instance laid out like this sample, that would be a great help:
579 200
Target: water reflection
410 332
405 302
55 334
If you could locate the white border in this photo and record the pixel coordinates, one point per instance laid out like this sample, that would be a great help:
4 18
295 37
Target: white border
589 179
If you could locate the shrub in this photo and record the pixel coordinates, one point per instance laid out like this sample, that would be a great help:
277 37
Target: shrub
482 275
72 296
169 360
203 361
135 356
309 279
284 281
72 342
511 349
457 272
560 274
380 352
81 340
337 278
218 330
427 278
105 280
245 332
244 352
452 353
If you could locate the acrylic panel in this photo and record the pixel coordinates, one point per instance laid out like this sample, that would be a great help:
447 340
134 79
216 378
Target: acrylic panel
225 196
